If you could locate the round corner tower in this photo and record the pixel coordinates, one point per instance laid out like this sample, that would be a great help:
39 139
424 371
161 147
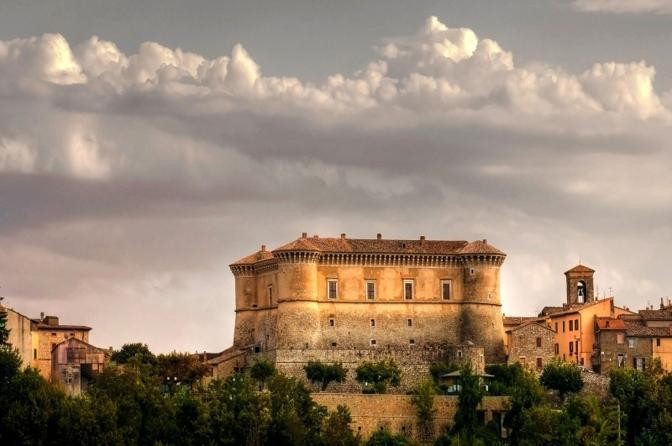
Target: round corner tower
481 313
298 324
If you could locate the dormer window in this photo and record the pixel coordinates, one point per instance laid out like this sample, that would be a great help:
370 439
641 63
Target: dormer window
332 288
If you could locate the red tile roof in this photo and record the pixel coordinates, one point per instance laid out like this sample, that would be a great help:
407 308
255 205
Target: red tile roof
657 315
580 269
517 320
480 247
607 323
254 258
639 330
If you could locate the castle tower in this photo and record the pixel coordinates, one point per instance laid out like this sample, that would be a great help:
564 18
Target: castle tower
580 285
481 313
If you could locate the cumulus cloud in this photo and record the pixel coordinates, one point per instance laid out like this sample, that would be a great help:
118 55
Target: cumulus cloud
129 181
625 6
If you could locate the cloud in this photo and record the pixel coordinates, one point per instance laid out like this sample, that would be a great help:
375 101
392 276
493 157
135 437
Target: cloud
129 181
624 6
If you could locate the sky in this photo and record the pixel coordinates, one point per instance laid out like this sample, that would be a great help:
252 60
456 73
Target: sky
145 146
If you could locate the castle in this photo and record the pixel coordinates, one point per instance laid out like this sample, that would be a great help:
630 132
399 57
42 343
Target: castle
349 300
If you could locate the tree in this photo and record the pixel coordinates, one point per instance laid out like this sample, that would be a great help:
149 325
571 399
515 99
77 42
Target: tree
4 331
543 425
525 393
471 394
136 354
262 370
183 368
323 374
377 376
385 438
440 368
423 401
561 376
337 431
598 420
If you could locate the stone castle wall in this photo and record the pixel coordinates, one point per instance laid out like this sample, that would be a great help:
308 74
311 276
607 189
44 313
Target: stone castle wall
395 413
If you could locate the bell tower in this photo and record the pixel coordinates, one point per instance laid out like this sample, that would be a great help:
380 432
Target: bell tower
580 285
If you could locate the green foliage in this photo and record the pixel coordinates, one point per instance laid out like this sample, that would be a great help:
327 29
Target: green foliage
377 376
440 368
385 438
542 425
423 402
322 374
597 419
262 370
10 364
4 331
471 394
525 394
562 376
505 378
182 368
136 354
337 431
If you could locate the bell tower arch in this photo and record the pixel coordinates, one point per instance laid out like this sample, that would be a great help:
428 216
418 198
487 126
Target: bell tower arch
580 288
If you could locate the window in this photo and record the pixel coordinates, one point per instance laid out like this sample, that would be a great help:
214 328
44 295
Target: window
411 342
538 342
557 348
571 347
446 289
621 360
657 342
257 349
576 347
576 324
563 326
370 289
373 322
408 289
333 344
540 363
571 325
556 327
373 342
332 322
472 271
631 342
522 360
34 353
53 334
270 295
459 354
409 322
332 288
620 338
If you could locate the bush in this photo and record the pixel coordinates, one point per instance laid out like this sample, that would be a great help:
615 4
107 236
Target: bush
377 376
561 376
262 370
385 438
423 401
323 374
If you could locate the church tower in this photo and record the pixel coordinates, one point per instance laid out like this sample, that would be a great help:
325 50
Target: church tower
580 285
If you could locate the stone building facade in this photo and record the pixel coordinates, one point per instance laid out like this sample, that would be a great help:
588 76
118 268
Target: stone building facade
20 334
343 299
530 344
48 333
75 363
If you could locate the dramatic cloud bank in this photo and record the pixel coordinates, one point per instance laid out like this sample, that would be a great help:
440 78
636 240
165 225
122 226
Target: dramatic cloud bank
129 182
625 6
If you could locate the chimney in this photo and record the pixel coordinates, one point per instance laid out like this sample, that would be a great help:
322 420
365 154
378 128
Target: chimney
263 248
316 236
422 239
662 305
304 235
42 315
343 236
379 236
485 241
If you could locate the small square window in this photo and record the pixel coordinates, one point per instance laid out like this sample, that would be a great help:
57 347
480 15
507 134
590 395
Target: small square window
472 271
540 363
538 342
370 289
631 342
373 322
409 322
332 288
411 341
332 322
620 338
446 289
373 342
333 344
408 289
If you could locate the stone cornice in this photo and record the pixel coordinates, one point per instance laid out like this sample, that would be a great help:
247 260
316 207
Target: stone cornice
397 302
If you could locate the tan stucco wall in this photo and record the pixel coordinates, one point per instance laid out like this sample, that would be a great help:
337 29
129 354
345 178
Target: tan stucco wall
20 335
664 352
47 339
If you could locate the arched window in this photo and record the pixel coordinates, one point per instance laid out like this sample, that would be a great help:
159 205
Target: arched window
581 292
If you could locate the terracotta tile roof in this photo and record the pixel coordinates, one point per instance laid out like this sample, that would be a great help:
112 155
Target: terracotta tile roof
657 315
510 321
580 269
546 311
376 246
527 324
607 323
639 330
480 247
42 326
254 258
569 309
